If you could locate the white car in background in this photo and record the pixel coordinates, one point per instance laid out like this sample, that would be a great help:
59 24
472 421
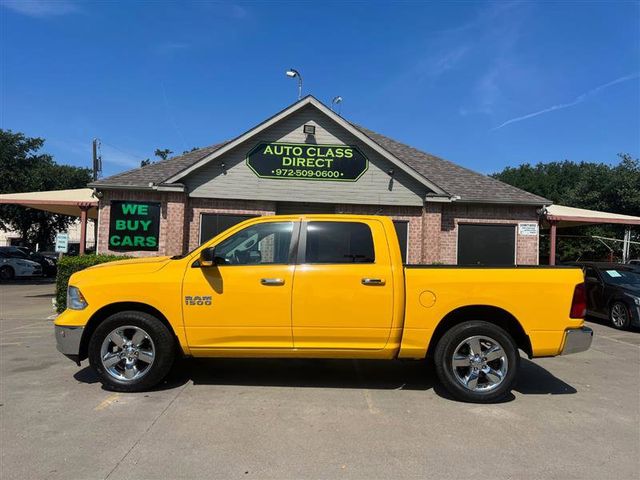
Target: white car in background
11 267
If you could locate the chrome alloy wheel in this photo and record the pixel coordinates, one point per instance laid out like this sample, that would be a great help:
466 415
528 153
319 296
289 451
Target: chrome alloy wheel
619 315
480 363
127 353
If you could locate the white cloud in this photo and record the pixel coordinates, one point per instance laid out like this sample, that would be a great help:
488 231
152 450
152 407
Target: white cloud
579 99
40 8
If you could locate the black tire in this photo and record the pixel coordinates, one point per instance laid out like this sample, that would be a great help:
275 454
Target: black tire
619 315
159 337
7 273
486 388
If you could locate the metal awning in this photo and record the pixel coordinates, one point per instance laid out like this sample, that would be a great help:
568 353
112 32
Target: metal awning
66 202
561 216
565 216
78 202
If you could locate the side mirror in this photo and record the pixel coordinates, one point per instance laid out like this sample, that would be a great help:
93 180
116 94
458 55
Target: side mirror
208 257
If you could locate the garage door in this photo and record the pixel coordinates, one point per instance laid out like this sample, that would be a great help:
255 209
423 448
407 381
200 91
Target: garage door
486 244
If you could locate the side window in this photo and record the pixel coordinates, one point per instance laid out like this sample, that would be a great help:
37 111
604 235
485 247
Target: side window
262 244
339 242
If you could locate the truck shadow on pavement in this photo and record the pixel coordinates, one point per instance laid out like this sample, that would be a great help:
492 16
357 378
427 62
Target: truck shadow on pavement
336 374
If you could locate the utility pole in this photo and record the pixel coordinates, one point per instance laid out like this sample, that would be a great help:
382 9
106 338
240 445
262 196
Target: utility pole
97 170
97 159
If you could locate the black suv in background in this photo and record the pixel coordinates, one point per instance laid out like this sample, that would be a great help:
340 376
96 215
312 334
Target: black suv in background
613 292
47 262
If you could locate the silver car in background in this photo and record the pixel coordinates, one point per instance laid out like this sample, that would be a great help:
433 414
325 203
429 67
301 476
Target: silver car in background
12 267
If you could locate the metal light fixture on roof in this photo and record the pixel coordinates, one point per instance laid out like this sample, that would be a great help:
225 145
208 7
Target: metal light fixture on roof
293 73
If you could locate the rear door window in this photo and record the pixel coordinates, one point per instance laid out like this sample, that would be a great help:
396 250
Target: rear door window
339 242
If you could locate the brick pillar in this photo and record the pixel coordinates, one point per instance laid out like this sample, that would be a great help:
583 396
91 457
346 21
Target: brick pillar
431 227
175 224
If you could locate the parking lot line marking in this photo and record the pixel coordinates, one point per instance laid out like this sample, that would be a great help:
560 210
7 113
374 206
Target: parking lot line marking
619 341
160 415
367 396
107 401
12 343
21 327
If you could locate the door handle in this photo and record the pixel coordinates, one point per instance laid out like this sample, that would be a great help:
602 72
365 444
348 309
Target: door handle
373 281
272 282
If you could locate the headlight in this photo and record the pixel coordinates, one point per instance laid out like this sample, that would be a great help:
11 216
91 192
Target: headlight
636 300
75 300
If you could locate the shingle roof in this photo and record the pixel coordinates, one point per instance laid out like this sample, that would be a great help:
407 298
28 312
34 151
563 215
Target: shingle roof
458 181
158 172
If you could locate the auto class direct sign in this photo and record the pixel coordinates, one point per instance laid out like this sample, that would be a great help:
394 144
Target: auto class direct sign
134 226
342 163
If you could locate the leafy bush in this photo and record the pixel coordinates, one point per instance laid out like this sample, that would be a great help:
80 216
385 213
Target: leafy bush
67 266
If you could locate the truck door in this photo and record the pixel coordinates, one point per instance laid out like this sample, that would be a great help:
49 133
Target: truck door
343 286
245 300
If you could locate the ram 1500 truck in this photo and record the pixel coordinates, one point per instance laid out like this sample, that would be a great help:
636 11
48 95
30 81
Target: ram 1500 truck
319 286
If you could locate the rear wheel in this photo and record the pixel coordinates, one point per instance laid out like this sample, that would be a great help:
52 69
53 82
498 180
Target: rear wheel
619 315
131 351
7 273
477 362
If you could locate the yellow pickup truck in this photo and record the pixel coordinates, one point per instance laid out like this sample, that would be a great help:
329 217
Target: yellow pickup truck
319 286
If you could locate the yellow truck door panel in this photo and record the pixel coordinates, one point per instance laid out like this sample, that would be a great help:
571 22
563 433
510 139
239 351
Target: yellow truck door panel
343 290
245 300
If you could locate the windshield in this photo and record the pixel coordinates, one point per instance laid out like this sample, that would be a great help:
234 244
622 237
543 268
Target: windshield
621 277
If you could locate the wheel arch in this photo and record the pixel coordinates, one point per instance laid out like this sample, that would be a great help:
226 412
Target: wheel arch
488 313
113 308
10 268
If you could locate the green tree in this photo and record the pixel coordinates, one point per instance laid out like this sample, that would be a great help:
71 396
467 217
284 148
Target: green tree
162 154
24 169
595 186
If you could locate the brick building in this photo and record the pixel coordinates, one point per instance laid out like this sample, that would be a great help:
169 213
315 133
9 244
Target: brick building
308 159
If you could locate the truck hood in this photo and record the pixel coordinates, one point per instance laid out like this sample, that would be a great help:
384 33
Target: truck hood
117 271
120 268
153 263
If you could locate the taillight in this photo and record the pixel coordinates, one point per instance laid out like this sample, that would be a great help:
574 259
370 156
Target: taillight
579 302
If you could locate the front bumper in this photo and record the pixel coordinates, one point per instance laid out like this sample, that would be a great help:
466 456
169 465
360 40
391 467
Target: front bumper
577 340
68 341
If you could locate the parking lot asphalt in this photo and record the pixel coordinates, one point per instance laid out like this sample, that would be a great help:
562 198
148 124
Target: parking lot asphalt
570 417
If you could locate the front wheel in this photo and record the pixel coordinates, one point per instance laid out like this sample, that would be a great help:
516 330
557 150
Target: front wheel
477 362
619 315
131 351
7 273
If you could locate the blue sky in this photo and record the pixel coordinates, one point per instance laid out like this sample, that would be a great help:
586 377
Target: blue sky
483 84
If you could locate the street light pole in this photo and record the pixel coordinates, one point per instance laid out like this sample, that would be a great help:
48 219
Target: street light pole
293 73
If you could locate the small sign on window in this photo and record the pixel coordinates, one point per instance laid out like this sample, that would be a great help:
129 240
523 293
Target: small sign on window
613 273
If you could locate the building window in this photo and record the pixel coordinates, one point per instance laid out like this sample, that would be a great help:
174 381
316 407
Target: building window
402 230
211 224
486 244
339 242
